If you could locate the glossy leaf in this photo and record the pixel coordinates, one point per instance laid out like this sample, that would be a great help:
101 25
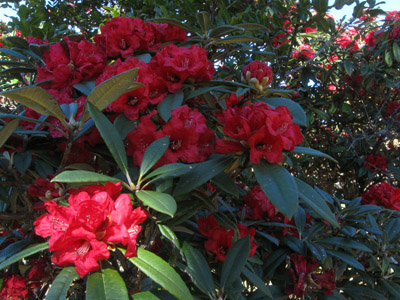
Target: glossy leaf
7 131
345 243
234 262
348 259
83 176
298 114
110 136
13 53
158 201
169 234
312 152
37 99
153 154
396 51
107 285
169 170
227 184
144 296
170 102
162 273
279 186
257 281
60 286
8 257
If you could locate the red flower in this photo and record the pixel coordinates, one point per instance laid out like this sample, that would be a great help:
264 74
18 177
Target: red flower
97 216
14 288
382 194
304 51
36 40
257 74
391 108
375 162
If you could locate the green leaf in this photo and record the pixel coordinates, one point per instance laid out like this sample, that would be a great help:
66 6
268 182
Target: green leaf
153 154
389 58
107 285
224 30
396 51
253 26
159 201
321 6
22 161
392 287
13 53
7 257
237 39
144 296
170 170
227 184
37 99
18 70
7 131
348 259
110 136
204 90
162 273
234 262
298 114
170 102
198 269
60 286
111 89
340 3
85 87
279 186
345 242
203 19
348 67
312 152
123 125
169 234
83 176
316 202
201 173
257 281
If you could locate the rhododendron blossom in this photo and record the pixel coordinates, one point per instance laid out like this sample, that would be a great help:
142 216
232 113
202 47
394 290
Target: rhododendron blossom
375 162
97 216
305 51
382 194
14 288
257 74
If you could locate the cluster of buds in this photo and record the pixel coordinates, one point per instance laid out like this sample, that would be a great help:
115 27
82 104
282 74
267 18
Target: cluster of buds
258 75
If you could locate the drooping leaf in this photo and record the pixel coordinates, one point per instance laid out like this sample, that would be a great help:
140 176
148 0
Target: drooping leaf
257 281
7 131
83 176
224 30
345 242
107 285
169 234
60 286
170 102
279 186
153 154
37 99
312 152
110 136
298 114
234 262
170 170
158 201
13 53
348 259
12 253
162 273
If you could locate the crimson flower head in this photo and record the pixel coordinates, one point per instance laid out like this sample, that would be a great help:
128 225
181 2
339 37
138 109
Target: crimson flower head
14 288
305 51
257 74
391 108
382 194
375 162
97 216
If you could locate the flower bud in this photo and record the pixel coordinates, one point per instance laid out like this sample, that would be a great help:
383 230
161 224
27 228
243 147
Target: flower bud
258 75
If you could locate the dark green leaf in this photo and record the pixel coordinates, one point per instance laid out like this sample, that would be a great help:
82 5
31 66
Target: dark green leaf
316 202
396 51
224 30
85 87
234 262
204 90
350 260
22 161
227 184
203 19
253 26
198 269
8 255
17 70
346 243
18 42
83 176
170 170
321 6
169 234
159 201
317 251
110 136
107 285
298 114
123 125
392 287
201 173
279 186
257 281
170 102
312 152
13 53
237 39
59 287
7 131
389 58
153 154
162 273
348 67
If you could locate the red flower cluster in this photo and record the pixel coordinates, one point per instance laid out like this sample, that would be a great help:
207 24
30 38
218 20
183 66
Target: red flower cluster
305 51
375 162
190 139
345 40
304 278
97 216
257 74
382 194
391 108
14 288
220 239
263 129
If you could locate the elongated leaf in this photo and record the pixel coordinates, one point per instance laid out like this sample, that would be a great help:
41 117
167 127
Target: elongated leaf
85 87
14 63
257 281
107 285
159 201
13 53
198 269
203 19
252 26
237 39
298 114
170 102
60 286
348 259
227 184
316 202
162 273
7 131
201 173
153 154
204 90
170 170
279 186
224 30
312 152
83 176
144 296
22 161
110 90
22 254
18 42
346 243
396 51
110 136
234 262
17 70
37 99
169 234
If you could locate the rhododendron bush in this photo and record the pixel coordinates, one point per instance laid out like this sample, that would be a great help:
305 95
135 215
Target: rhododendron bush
199 150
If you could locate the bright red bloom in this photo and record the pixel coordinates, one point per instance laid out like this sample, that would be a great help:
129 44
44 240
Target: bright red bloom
257 74
305 51
382 194
345 40
375 162
97 216
14 288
